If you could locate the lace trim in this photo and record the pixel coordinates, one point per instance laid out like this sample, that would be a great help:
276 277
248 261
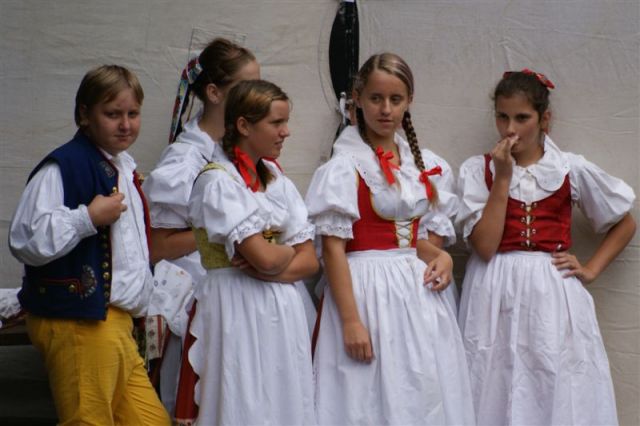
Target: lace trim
254 224
340 231
306 234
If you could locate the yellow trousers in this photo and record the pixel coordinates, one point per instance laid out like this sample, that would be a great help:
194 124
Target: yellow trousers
95 372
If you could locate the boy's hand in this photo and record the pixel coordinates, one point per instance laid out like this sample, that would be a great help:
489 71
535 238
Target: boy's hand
106 210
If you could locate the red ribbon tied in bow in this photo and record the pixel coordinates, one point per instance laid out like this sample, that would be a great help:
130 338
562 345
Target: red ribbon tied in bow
538 75
245 165
385 163
424 178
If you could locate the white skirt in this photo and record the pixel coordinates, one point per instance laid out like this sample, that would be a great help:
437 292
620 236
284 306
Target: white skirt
252 352
533 345
419 373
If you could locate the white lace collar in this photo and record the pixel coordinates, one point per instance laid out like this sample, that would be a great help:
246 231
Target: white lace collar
350 144
549 172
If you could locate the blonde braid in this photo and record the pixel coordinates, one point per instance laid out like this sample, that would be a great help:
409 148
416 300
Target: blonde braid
407 125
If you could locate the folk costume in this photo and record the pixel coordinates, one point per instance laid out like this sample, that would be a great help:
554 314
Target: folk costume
419 373
83 285
533 344
251 352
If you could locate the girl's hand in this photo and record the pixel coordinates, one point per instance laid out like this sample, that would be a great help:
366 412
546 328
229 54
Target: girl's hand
439 271
357 342
502 159
564 260
238 261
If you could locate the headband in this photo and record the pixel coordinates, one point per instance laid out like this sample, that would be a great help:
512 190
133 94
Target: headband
539 76
187 78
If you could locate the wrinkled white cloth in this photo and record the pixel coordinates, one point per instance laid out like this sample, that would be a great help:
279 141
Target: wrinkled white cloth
167 189
533 344
419 372
252 350
169 185
44 229
9 304
604 199
172 292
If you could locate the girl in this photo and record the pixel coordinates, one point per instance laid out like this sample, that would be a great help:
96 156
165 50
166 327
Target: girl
388 348
209 77
251 351
529 326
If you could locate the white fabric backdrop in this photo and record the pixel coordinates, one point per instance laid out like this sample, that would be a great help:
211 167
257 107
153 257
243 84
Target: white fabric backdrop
457 50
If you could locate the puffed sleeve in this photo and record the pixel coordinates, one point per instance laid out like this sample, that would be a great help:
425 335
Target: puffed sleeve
439 219
299 229
226 209
168 186
332 198
604 199
43 228
472 194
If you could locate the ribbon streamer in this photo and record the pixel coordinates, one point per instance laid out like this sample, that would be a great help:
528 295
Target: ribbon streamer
385 163
245 165
424 178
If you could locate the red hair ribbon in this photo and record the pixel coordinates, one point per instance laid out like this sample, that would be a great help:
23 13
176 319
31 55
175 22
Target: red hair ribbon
424 178
385 163
539 76
244 164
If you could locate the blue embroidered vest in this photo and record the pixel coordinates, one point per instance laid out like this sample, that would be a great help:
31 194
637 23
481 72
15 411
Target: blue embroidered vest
77 285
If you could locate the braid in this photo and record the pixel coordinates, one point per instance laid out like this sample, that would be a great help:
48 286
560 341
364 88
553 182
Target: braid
362 127
407 125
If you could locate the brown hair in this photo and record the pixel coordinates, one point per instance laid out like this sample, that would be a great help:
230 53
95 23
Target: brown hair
252 100
102 84
220 61
396 66
526 84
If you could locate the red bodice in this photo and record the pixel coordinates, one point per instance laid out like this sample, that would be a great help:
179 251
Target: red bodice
372 232
543 225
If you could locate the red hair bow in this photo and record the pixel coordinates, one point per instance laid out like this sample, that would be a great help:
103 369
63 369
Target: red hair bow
385 163
539 76
424 178
244 164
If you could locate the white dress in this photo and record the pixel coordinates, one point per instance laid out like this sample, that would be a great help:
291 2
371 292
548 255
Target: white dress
419 372
167 189
533 344
252 349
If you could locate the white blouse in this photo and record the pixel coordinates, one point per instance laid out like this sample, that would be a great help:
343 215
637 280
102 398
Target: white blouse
332 195
168 187
44 229
603 199
230 212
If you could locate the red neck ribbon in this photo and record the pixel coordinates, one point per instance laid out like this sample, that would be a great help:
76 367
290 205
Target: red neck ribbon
385 163
245 165
424 178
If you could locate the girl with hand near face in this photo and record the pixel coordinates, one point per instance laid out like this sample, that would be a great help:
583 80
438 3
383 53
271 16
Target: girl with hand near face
388 347
533 344
252 348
